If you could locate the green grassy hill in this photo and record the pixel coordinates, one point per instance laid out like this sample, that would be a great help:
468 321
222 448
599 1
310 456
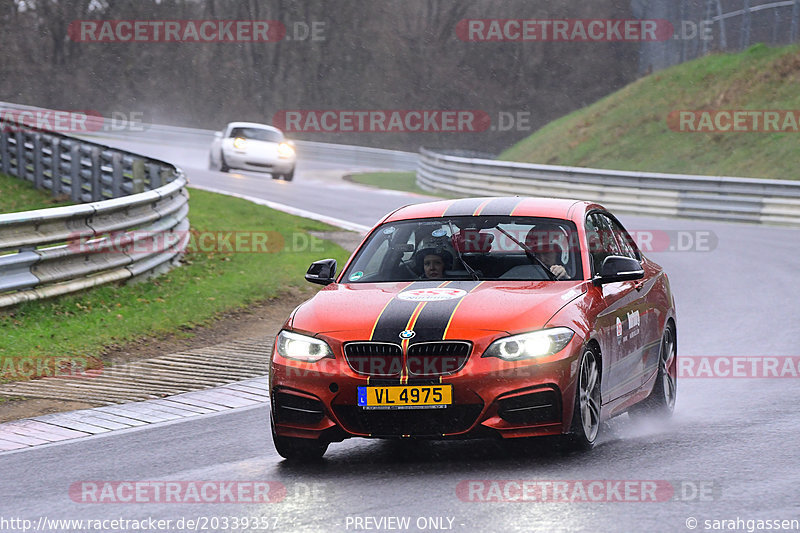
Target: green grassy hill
628 130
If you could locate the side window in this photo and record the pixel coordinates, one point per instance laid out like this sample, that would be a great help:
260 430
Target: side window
601 240
374 264
624 239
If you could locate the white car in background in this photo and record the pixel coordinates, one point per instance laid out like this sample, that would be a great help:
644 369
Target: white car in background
252 146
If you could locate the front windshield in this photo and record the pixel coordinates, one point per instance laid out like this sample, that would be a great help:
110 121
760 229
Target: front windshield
257 134
462 248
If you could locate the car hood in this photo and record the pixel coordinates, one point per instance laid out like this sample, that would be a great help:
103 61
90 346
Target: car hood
433 310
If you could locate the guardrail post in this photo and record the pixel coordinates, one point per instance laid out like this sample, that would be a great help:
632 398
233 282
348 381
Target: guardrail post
19 137
116 170
4 163
96 168
138 176
795 17
55 167
75 173
154 172
38 178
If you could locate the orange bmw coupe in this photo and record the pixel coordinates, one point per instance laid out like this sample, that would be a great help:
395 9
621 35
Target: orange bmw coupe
509 317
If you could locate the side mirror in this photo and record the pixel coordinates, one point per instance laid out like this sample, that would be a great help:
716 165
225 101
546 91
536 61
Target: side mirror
322 272
617 268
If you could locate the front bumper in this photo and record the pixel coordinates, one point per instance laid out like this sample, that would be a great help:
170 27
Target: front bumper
490 398
259 163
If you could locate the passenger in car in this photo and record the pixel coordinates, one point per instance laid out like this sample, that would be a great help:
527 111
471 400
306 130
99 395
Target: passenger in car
547 243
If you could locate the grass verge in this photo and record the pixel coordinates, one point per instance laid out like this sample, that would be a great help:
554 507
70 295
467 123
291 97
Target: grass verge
628 130
80 325
18 195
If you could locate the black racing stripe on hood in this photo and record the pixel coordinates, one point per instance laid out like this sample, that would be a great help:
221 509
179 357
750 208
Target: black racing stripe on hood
396 315
434 317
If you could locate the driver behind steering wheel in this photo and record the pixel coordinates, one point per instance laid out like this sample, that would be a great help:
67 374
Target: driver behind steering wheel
432 262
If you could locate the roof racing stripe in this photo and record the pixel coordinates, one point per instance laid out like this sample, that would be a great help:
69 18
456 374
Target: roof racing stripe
446 207
480 207
463 207
501 206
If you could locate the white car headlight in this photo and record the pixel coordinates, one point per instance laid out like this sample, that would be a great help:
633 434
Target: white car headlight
285 150
302 347
529 345
240 143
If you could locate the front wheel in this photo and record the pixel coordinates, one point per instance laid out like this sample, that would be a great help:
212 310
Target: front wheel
586 414
300 450
661 402
223 166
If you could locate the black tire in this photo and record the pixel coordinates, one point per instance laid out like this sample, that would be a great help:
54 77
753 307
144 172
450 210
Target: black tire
289 176
300 450
223 166
661 402
586 414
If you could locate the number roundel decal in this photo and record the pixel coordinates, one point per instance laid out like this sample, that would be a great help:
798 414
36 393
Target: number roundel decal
431 295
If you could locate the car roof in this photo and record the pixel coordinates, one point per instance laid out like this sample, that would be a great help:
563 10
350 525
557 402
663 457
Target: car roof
252 125
496 206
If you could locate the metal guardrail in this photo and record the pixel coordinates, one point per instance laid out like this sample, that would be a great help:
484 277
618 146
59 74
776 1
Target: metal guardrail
641 193
49 252
358 155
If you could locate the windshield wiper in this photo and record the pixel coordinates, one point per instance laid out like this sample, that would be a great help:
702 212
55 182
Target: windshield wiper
529 253
469 269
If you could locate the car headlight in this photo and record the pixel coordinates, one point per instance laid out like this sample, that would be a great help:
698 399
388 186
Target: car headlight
240 143
302 347
529 345
285 150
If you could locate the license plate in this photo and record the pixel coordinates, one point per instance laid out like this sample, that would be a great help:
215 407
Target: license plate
405 397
